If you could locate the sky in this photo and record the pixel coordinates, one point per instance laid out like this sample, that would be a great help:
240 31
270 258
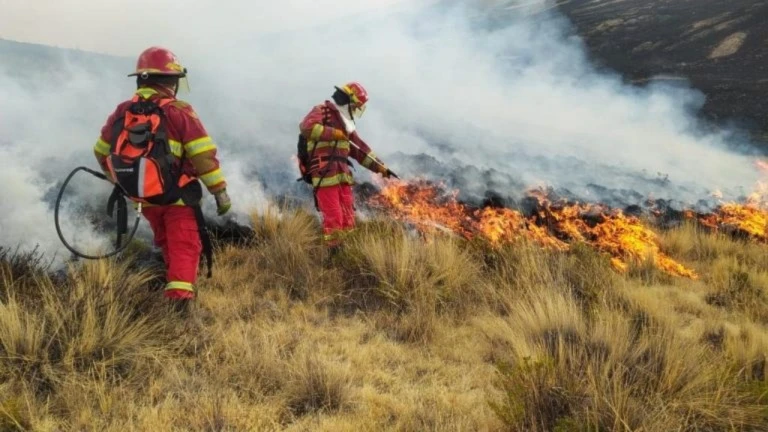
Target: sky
92 25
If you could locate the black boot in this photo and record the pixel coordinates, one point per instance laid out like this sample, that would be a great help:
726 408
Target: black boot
182 307
333 253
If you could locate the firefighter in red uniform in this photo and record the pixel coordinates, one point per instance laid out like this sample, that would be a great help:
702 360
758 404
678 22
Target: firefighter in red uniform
175 226
331 138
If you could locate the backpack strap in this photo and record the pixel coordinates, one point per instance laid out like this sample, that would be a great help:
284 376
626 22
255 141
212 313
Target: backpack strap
324 173
325 121
332 157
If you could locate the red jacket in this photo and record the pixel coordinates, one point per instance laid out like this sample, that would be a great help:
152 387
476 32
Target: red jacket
186 135
324 130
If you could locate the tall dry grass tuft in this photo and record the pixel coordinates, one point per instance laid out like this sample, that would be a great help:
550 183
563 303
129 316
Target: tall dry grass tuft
737 271
405 272
288 249
696 244
516 270
250 360
571 373
20 270
102 319
413 281
739 287
316 386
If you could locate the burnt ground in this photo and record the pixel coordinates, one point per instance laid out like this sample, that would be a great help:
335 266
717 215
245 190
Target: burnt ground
721 46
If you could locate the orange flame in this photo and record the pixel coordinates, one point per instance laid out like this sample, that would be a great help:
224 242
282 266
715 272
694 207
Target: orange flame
554 226
762 165
749 218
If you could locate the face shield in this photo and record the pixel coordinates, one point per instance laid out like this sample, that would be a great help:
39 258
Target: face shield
183 87
359 111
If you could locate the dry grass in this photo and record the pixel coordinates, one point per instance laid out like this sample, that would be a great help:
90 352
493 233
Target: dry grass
397 333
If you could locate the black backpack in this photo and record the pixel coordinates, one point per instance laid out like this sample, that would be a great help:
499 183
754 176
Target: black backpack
305 159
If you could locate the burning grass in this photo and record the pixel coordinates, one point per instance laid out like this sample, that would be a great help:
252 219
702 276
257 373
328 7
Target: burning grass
554 225
401 332
750 220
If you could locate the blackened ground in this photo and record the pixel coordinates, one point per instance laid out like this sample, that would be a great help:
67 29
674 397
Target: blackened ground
721 46
479 187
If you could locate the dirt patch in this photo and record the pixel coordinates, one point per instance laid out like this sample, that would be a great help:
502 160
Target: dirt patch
729 46
609 25
728 24
646 46
709 22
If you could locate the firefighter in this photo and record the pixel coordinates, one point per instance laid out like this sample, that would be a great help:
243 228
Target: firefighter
176 227
329 132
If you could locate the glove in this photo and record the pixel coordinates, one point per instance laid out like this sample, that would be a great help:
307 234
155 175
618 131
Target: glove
339 134
223 204
389 173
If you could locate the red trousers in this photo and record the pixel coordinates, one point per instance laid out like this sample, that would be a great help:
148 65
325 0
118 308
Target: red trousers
337 204
176 233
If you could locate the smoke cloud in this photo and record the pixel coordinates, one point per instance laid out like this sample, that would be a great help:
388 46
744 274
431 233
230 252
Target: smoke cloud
502 99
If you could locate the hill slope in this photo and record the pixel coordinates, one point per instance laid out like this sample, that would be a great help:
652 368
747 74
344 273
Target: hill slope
398 334
720 45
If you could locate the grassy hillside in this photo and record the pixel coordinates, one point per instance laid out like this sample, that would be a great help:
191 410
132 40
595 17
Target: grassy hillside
400 333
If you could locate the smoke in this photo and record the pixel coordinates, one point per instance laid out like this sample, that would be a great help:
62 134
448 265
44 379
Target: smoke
468 92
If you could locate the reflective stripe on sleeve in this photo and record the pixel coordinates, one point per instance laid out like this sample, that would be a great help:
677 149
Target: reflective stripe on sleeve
213 178
200 145
101 147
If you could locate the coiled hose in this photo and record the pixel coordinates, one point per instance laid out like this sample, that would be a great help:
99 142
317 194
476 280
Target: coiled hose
118 198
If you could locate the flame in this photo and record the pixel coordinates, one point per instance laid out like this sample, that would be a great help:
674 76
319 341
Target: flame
759 198
554 225
500 226
750 217
624 237
762 166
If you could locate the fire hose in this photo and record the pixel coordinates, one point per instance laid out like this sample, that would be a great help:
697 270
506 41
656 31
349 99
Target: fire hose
117 198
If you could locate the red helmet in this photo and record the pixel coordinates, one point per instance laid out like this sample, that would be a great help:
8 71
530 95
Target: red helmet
358 96
159 61
356 93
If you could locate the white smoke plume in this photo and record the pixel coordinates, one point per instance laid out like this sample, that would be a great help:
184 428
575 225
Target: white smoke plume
515 94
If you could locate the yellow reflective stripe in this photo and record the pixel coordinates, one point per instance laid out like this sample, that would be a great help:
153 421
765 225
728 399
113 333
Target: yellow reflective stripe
317 130
175 147
200 145
369 159
146 92
213 178
334 180
178 285
145 205
101 147
343 145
